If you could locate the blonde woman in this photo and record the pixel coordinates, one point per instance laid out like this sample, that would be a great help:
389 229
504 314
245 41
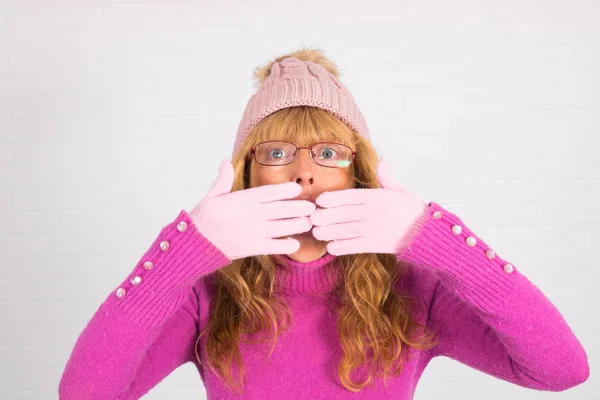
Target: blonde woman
308 271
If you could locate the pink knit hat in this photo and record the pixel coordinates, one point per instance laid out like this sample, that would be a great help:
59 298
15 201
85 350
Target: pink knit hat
293 82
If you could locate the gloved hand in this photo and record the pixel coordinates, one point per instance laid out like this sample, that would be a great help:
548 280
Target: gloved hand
380 220
245 223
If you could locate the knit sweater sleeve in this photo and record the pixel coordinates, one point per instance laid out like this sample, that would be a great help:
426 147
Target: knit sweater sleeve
485 312
148 325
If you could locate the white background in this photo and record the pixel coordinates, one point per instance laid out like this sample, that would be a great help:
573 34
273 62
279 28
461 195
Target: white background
115 115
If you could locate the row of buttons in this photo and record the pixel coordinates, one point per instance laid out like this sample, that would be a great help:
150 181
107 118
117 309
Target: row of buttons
148 265
472 242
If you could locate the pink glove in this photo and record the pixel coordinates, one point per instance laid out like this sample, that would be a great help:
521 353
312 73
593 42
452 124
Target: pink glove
244 223
377 220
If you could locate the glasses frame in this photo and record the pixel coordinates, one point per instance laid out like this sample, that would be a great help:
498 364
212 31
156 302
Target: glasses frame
252 154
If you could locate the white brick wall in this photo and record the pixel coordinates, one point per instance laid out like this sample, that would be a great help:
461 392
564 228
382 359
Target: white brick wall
106 109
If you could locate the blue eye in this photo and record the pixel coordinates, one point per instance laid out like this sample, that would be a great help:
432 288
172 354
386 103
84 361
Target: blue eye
276 151
328 151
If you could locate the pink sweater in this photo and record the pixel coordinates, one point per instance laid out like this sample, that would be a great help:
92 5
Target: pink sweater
487 314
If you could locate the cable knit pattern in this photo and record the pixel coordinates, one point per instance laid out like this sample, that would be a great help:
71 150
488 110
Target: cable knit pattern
487 316
295 82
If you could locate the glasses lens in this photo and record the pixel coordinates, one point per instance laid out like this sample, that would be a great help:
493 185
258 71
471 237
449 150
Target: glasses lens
332 155
275 153
282 153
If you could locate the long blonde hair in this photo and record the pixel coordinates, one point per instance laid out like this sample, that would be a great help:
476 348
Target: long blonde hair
375 324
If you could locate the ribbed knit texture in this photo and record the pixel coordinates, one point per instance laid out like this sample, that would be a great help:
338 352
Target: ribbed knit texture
497 322
317 276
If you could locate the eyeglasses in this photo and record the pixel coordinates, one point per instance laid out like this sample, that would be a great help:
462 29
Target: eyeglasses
326 154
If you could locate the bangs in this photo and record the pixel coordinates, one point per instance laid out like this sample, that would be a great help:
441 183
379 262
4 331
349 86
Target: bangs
303 125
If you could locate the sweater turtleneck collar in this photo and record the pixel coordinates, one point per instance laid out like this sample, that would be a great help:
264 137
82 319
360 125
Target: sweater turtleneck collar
317 276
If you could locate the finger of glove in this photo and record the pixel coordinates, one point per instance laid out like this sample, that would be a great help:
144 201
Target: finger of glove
285 227
342 197
222 184
280 246
286 209
355 246
346 230
273 192
264 246
336 215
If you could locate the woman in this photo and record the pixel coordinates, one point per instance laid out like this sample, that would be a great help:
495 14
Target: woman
314 274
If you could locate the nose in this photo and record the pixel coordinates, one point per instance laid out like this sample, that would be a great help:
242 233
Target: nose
303 167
